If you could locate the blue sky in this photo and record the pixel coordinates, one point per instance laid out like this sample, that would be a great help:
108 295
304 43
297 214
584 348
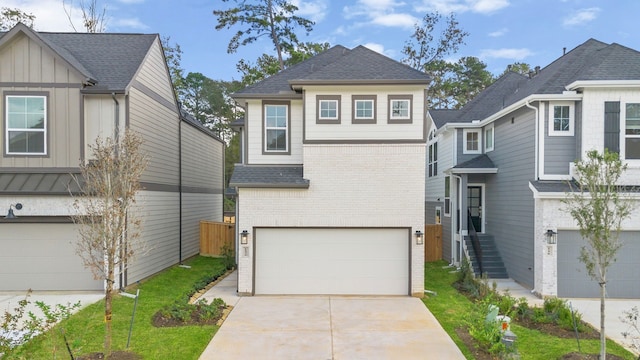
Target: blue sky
501 31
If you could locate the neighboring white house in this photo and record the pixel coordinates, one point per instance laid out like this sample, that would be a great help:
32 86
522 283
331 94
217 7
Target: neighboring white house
331 191
59 92
506 157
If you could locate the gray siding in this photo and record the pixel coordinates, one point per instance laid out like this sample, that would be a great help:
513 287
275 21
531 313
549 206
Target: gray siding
202 160
509 202
197 207
559 151
622 276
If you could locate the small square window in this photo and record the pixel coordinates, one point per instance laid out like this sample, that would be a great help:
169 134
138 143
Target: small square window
561 119
471 141
400 108
328 109
364 109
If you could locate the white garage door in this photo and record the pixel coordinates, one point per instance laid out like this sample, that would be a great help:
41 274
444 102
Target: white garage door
332 261
41 257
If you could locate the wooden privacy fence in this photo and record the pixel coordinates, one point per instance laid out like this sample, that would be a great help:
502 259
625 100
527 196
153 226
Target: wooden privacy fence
214 235
432 242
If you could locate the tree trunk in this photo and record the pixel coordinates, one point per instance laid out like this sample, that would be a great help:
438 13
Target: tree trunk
107 313
603 338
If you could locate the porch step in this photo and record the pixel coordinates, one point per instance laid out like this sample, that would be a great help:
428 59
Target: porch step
492 264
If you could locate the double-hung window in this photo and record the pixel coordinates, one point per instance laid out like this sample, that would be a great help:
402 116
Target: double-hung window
488 138
632 131
26 124
328 109
276 128
471 141
433 159
447 196
364 109
400 108
561 121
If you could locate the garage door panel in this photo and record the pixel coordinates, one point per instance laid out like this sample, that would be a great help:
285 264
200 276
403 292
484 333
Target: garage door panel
42 257
622 276
332 261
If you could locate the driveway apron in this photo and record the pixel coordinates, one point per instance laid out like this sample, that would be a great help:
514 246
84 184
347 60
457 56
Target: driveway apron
331 327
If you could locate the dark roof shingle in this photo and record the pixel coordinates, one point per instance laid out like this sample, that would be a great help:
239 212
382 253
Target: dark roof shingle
268 176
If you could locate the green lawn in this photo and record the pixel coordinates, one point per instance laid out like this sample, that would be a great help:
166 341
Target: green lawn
85 330
452 309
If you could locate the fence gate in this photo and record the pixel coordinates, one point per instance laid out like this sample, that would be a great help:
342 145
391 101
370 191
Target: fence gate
433 242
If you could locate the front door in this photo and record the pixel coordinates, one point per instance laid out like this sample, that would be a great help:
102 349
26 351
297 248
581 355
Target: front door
474 203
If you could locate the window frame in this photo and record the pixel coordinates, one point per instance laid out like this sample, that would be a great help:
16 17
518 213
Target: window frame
625 136
438 215
328 98
266 128
432 159
44 130
486 137
447 196
465 143
363 120
551 126
400 119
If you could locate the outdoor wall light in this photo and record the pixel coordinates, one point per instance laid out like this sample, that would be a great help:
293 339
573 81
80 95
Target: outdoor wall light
244 237
552 237
11 215
419 237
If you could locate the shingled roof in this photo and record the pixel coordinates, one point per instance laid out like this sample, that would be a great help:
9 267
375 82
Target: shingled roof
109 59
268 177
337 65
592 60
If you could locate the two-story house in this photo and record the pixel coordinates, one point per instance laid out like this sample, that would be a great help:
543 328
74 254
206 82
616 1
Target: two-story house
500 166
330 194
60 91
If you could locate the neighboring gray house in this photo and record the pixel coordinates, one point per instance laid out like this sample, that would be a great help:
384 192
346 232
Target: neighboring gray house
502 163
326 143
59 92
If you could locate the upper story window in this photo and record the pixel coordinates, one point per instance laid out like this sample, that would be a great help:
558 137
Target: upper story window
447 196
471 141
328 109
489 138
26 125
433 159
561 122
632 131
364 109
276 128
400 108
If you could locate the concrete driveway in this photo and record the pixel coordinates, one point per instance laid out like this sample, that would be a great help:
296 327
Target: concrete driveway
330 327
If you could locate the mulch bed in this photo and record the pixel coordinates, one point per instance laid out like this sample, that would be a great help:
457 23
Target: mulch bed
159 320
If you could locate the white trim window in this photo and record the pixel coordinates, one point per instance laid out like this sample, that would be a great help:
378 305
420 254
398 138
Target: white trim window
364 109
632 131
447 196
433 159
26 125
328 109
276 131
561 119
400 108
489 138
471 139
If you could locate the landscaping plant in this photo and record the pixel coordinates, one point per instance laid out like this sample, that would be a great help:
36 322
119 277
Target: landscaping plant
599 206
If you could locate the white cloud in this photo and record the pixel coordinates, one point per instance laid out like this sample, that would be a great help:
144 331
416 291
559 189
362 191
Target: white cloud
50 15
131 1
460 6
395 20
380 12
379 48
499 33
581 16
129 23
314 10
512 54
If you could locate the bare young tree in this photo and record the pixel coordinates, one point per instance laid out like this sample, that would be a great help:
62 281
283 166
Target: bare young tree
10 17
109 232
94 19
599 205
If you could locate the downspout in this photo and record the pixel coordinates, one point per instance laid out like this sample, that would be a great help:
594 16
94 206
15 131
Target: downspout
116 139
537 135
180 186
459 212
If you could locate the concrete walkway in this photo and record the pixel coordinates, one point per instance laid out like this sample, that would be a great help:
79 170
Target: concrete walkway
589 308
327 327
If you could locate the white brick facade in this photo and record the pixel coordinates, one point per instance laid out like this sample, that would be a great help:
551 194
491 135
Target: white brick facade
351 185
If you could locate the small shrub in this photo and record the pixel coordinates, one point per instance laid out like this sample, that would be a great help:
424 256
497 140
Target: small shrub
228 256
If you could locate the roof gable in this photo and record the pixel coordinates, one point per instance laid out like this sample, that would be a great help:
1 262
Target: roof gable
337 65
